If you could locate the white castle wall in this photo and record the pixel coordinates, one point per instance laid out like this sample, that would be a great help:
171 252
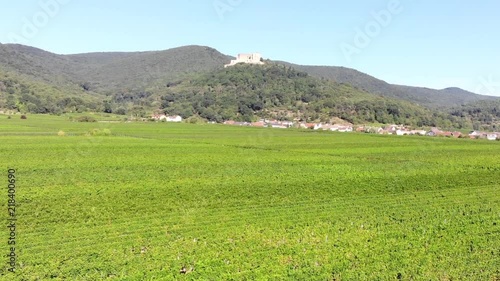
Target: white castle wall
253 58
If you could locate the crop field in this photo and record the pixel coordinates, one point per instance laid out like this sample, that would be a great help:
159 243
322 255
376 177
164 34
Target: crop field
158 201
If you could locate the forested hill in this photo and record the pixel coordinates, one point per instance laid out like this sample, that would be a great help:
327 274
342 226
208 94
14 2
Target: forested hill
192 81
482 114
245 92
110 72
431 98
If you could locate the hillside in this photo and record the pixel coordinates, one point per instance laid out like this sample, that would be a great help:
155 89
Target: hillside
24 94
246 92
481 114
110 72
431 98
191 81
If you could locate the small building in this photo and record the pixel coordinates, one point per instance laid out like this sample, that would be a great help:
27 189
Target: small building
402 132
345 129
474 134
418 132
175 118
491 136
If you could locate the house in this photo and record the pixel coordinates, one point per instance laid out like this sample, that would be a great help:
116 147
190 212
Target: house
391 129
277 126
253 58
491 136
326 127
345 129
475 134
418 132
333 128
175 118
280 124
402 132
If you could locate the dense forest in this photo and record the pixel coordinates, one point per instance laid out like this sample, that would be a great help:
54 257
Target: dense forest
18 93
247 92
482 114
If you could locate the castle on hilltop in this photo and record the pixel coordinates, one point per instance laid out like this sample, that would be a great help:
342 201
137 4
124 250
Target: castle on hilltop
254 58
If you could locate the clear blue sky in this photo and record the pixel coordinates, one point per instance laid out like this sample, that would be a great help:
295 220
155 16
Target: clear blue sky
429 43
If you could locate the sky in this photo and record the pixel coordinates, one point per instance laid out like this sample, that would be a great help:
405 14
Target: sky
435 44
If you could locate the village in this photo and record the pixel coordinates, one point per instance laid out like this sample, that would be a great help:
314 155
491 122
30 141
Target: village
398 130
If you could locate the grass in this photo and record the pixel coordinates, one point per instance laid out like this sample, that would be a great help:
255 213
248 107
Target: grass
232 203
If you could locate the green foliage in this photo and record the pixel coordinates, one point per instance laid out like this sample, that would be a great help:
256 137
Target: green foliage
190 81
99 132
245 92
483 115
430 98
25 94
86 119
237 203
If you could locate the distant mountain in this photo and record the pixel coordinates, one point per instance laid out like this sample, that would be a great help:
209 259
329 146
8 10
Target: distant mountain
449 97
111 71
108 72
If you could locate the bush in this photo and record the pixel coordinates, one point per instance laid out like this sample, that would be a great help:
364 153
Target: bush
86 119
121 111
195 120
61 133
24 117
97 132
9 117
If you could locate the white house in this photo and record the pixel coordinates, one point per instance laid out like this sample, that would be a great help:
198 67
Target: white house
418 132
345 129
491 137
175 118
318 126
474 134
402 132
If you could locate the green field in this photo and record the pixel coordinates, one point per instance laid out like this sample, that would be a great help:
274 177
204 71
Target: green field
232 203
